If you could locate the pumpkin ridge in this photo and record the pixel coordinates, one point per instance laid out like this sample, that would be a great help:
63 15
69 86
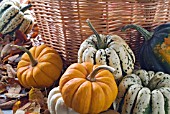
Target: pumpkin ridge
39 49
45 50
57 59
47 75
66 76
81 89
106 94
30 78
56 67
23 79
42 82
76 86
99 109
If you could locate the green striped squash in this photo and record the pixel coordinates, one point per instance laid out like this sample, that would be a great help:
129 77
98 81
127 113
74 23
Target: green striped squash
109 50
15 16
144 92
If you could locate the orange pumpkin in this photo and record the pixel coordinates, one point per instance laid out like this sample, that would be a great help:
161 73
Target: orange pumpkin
87 88
39 67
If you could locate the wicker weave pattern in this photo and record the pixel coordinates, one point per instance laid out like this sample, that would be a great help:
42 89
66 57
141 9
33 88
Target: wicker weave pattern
63 24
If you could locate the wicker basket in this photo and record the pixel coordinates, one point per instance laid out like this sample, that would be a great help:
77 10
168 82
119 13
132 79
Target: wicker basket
63 24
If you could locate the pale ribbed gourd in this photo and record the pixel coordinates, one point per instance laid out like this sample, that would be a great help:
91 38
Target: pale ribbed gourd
15 16
144 92
109 50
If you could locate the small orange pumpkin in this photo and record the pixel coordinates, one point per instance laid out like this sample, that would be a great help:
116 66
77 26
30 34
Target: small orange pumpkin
39 67
87 88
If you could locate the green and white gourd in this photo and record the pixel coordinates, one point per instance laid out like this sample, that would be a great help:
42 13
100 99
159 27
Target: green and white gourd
56 103
144 93
15 16
109 50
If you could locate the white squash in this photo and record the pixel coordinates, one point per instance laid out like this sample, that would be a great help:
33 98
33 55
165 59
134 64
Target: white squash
56 104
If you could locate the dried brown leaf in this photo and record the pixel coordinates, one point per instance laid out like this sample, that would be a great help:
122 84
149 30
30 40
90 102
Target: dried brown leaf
10 71
16 106
3 100
21 38
13 58
19 104
14 88
14 95
2 87
12 80
36 95
6 50
31 107
8 104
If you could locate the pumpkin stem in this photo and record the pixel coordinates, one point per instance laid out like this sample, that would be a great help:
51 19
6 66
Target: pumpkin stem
33 61
100 43
91 76
147 35
153 82
25 8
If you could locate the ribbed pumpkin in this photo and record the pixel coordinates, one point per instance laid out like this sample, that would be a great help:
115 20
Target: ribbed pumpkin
109 50
15 16
144 92
88 88
56 103
39 67
154 53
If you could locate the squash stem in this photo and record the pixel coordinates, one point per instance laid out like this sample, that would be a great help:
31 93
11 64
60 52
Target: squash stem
91 76
153 82
33 61
100 43
147 35
25 8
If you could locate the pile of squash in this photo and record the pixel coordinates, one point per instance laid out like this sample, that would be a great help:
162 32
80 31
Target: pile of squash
104 75
84 88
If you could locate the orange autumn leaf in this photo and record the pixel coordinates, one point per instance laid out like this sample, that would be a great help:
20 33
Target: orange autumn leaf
16 106
35 95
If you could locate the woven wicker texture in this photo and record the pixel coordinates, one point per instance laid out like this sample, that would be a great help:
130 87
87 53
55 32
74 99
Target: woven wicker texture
63 24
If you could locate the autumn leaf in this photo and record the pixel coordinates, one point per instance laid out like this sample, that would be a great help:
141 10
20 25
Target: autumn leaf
35 95
16 106
14 95
29 108
14 88
2 87
8 104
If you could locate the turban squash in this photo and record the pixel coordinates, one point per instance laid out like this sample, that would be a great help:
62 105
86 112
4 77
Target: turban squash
154 52
15 16
144 92
56 104
88 88
109 50
39 67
